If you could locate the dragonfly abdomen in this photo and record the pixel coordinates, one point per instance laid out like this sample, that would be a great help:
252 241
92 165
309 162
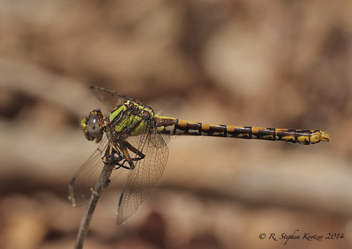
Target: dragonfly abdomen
173 126
305 137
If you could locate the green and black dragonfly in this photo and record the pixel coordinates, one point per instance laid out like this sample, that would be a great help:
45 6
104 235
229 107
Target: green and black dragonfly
132 137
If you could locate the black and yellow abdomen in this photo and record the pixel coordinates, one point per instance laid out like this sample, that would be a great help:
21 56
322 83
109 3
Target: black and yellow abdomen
173 126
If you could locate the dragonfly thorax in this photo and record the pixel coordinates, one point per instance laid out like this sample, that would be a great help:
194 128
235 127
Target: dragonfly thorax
130 119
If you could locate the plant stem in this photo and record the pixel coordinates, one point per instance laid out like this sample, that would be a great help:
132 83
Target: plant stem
100 186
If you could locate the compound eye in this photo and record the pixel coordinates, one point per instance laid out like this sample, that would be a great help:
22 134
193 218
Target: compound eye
93 126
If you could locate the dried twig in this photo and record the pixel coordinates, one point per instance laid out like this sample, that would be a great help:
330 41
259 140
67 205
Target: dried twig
100 186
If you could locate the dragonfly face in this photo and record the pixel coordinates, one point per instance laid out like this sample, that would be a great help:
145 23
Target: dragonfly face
93 126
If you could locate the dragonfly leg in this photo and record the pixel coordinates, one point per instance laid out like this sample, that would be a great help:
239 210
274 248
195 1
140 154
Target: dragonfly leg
114 157
126 156
120 156
125 146
135 151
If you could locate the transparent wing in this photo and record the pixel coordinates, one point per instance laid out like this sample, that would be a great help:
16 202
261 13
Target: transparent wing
146 173
85 178
109 98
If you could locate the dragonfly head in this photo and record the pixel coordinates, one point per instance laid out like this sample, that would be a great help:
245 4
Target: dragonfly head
92 126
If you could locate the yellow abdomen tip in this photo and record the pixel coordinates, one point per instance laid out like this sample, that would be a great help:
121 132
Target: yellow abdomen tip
324 137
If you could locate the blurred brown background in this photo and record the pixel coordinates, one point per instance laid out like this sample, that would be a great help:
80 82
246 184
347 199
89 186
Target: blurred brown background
284 64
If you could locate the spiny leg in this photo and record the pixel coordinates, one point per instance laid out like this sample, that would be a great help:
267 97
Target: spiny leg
111 156
114 157
135 151
125 146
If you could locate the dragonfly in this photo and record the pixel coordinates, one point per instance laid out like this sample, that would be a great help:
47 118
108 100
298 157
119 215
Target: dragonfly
134 138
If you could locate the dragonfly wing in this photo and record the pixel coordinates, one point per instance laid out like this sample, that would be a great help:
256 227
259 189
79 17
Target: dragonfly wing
82 184
109 98
146 173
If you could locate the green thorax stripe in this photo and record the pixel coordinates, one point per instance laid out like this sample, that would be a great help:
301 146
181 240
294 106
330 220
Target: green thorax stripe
129 117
